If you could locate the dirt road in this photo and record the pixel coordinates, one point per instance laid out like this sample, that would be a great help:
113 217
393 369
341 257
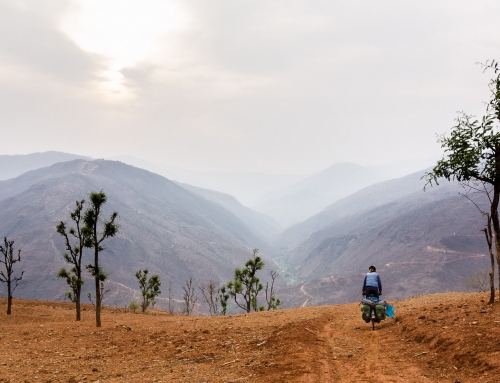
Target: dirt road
437 338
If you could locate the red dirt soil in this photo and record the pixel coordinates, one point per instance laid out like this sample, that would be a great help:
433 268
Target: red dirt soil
452 337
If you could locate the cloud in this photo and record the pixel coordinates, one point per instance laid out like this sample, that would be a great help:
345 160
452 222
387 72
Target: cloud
282 86
31 43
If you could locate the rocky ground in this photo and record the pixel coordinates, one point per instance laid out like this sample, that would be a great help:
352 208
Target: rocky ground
452 337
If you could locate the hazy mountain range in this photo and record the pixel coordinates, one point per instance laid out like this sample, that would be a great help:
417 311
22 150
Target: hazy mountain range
363 200
421 242
247 187
259 223
163 227
303 199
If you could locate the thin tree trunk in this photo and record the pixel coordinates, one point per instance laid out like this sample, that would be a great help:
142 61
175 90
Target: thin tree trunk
492 280
77 302
9 297
79 276
97 289
488 234
249 302
496 225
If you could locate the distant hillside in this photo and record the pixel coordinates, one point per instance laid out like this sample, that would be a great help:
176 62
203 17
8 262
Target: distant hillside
246 187
15 165
308 197
363 200
163 227
259 223
423 243
387 234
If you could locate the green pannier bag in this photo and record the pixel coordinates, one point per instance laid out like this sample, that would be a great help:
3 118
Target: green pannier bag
380 312
365 313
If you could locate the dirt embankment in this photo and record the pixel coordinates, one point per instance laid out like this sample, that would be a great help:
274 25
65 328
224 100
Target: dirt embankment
444 337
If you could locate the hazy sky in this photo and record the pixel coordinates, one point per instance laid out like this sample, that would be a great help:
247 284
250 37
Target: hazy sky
270 86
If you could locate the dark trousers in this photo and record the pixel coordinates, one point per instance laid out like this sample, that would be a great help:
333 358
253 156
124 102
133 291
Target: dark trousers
371 291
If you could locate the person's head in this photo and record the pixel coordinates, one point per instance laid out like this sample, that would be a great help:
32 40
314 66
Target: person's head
372 269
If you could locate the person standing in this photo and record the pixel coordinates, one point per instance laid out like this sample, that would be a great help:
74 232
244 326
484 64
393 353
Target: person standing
372 285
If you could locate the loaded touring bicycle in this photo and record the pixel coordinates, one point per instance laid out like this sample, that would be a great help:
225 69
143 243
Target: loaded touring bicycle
375 310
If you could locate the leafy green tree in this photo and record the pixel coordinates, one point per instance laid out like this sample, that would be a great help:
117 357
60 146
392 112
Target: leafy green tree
74 275
9 259
246 284
134 305
472 154
150 288
92 220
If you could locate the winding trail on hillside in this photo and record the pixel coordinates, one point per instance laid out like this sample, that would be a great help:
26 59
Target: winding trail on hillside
309 296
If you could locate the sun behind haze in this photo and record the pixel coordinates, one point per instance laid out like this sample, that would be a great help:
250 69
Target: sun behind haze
125 33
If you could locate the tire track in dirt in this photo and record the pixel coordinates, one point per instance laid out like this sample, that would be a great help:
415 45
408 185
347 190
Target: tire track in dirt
437 338
352 352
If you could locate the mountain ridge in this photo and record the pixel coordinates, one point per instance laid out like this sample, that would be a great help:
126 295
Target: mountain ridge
12 166
163 226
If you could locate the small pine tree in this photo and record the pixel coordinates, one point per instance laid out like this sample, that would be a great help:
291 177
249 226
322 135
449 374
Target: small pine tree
223 299
246 284
150 288
92 219
134 305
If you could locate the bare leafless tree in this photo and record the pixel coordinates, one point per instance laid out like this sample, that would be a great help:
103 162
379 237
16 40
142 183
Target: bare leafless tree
210 294
189 296
9 259
478 281
170 297
272 301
